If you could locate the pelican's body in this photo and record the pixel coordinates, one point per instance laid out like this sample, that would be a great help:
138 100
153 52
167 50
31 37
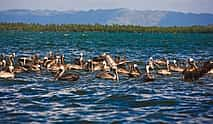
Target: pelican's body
191 73
123 71
210 72
35 68
175 68
97 67
9 72
134 71
165 71
5 74
160 62
69 77
24 60
73 67
208 67
20 69
108 75
148 76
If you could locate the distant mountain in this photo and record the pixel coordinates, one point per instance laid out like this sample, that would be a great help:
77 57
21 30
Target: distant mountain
108 16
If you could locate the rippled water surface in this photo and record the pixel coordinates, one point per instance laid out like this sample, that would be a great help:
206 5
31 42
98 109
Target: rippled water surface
36 97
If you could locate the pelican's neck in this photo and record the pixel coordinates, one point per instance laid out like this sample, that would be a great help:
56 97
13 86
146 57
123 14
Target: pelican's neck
60 73
105 65
167 64
81 60
11 68
195 66
92 66
192 66
116 77
147 69
10 61
151 64
110 61
62 60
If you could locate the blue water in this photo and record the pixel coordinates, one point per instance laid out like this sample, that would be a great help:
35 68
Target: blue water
36 97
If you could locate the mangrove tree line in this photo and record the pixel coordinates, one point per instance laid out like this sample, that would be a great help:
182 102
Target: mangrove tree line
102 28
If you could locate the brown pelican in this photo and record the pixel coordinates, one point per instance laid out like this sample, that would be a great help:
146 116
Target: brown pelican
9 72
108 76
207 67
80 61
106 67
175 67
124 71
99 59
165 71
110 61
134 71
24 61
5 74
161 61
192 72
148 76
3 63
96 66
60 75
62 60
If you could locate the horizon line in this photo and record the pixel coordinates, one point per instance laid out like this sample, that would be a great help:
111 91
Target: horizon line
95 9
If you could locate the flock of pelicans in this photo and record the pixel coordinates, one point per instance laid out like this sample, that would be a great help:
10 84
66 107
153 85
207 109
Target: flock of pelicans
107 67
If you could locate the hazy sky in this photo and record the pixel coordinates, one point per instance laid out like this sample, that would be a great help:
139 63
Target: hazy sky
197 6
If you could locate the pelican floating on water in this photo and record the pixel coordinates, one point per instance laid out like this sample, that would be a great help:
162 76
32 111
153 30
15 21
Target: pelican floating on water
60 75
108 75
165 71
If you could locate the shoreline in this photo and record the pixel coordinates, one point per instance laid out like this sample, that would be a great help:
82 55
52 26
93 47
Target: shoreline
103 28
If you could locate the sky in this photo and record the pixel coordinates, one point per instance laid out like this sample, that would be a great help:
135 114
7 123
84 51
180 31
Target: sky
194 6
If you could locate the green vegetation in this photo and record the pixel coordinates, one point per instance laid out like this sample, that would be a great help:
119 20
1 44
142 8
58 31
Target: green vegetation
103 28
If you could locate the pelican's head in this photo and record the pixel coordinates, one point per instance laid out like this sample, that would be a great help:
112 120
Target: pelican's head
4 62
167 61
135 65
50 52
190 60
81 54
39 66
14 54
104 54
150 58
89 61
45 58
175 62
